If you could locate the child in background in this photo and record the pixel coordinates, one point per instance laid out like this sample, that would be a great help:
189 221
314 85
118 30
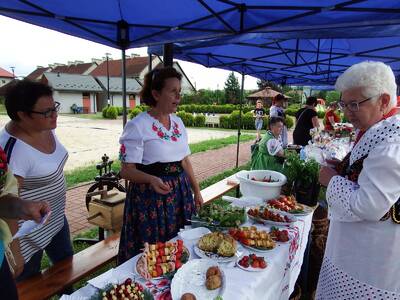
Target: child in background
259 113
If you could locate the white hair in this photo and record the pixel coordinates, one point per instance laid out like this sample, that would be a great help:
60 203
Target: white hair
374 77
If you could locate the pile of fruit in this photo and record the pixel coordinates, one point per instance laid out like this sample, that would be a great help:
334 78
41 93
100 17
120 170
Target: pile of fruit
266 214
287 204
279 235
254 261
161 258
126 291
252 237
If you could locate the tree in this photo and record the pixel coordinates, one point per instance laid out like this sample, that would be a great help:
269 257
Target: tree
262 84
332 96
232 89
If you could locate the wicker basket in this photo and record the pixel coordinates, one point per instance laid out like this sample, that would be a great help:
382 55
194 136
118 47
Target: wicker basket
296 295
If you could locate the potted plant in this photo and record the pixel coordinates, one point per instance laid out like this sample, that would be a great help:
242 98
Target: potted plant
302 176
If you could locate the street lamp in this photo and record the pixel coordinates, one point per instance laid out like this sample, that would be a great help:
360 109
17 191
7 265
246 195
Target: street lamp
108 81
12 69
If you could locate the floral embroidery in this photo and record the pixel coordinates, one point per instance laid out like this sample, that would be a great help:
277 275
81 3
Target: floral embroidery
165 135
3 168
122 153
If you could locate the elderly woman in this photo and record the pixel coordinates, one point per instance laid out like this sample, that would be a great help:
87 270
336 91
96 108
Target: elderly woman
268 153
37 159
155 159
362 252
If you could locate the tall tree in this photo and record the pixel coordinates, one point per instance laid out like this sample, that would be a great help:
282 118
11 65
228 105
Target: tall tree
232 89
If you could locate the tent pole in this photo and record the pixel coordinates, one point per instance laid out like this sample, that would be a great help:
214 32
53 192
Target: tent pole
123 88
150 62
168 54
240 120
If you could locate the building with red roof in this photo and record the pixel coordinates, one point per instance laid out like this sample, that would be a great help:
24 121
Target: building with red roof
5 77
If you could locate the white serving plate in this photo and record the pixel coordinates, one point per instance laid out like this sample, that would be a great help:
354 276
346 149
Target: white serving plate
193 234
251 269
191 278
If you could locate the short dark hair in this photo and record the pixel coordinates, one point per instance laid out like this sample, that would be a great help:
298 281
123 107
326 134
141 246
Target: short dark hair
312 101
279 97
22 95
155 80
275 120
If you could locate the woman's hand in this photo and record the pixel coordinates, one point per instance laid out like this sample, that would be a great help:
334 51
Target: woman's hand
326 174
160 186
198 200
34 210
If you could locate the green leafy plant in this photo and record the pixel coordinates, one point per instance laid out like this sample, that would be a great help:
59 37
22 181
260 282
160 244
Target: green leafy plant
296 169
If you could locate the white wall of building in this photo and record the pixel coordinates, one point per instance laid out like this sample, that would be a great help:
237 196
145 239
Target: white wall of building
117 100
68 98
5 80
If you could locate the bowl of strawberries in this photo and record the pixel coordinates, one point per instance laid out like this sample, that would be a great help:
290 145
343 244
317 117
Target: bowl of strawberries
263 184
252 263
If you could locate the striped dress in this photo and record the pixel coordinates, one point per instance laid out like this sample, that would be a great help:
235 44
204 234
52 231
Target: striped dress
43 180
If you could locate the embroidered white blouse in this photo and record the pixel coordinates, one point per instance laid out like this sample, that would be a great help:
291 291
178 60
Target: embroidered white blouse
274 146
362 256
145 140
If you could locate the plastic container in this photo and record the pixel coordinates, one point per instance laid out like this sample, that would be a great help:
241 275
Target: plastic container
263 190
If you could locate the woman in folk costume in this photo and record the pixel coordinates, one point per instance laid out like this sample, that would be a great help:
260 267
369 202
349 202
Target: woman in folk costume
362 255
155 159
268 153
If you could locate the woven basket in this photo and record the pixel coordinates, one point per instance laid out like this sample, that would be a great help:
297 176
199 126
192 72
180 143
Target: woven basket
296 295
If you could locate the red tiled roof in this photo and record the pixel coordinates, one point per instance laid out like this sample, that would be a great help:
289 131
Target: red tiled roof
4 73
36 74
134 66
73 68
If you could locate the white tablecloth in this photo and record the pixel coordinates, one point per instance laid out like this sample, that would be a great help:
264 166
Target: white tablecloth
276 282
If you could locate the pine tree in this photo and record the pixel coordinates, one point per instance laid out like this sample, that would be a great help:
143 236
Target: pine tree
232 89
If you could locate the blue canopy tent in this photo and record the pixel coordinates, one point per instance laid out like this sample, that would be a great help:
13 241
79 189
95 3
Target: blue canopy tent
315 62
126 24
289 61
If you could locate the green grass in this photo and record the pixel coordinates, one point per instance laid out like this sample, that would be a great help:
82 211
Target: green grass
88 173
96 116
218 143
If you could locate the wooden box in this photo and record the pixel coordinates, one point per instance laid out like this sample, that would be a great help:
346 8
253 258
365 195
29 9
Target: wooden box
106 211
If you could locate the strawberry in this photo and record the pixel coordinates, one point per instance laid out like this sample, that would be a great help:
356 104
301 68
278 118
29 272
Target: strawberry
159 270
178 264
255 264
263 264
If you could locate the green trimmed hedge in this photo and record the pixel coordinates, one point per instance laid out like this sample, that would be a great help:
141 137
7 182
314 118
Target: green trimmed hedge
110 112
292 109
217 109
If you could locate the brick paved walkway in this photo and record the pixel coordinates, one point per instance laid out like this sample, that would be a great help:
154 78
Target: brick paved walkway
205 164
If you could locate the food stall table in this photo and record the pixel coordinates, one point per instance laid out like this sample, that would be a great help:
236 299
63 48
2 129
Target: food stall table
275 282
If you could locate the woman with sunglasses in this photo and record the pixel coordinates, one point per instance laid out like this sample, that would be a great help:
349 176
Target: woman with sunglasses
155 159
37 159
363 192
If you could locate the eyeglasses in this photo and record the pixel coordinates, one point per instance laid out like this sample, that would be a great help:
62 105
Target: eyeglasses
48 113
353 106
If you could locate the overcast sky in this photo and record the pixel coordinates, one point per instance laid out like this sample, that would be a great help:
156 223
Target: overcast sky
25 46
